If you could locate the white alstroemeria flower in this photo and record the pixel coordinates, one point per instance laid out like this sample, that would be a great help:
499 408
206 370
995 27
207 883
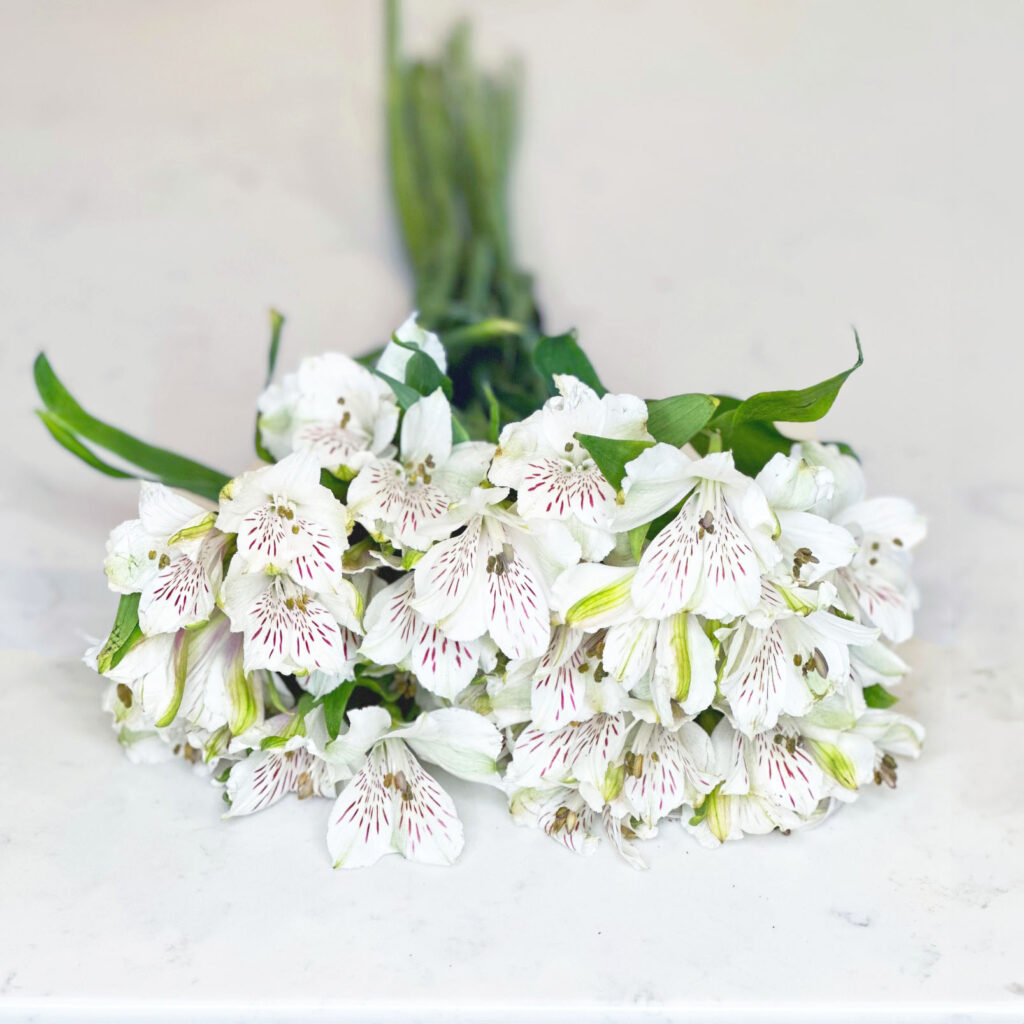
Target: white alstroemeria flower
190 682
553 475
171 555
786 654
333 407
405 499
632 773
395 358
397 635
287 522
568 683
262 777
391 804
665 768
892 735
711 557
290 629
585 754
811 546
495 576
769 781
886 530
669 664
558 811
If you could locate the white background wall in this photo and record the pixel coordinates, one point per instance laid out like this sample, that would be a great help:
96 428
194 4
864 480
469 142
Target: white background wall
711 193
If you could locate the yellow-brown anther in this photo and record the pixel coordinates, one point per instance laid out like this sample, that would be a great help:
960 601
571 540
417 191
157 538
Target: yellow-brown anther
164 561
305 785
124 695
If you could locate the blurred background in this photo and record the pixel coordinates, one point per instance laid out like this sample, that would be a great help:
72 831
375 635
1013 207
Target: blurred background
711 193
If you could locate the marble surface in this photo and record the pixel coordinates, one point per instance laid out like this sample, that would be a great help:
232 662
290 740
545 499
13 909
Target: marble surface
711 193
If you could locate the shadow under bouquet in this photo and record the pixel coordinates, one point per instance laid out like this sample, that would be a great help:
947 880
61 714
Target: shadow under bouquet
461 550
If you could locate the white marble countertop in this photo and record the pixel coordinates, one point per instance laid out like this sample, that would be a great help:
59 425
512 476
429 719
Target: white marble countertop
722 189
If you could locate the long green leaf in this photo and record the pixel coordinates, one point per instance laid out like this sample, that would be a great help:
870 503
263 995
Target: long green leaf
801 406
611 455
65 437
678 419
158 463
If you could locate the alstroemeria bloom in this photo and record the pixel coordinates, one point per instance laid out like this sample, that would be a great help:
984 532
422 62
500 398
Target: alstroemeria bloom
784 655
333 407
567 684
711 557
397 635
287 522
553 475
631 772
171 555
811 546
290 629
189 683
494 577
769 781
264 776
668 664
391 804
405 499
886 529
395 358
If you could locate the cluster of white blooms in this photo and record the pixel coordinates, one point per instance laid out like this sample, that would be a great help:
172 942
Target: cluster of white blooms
690 644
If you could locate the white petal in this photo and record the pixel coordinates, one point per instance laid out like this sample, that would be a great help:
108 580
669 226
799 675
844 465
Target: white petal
427 431
265 776
760 680
716 572
593 596
285 628
559 812
163 512
362 822
788 776
629 649
558 488
559 686
457 740
674 767
657 479
409 513
519 621
823 545
883 602
684 665
179 596
128 565
451 586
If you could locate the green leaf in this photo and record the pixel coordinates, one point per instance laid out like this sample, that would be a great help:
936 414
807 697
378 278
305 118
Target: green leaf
676 420
424 376
276 323
70 423
877 696
334 704
795 406
405 395
611 455
562 354
123 634
65 437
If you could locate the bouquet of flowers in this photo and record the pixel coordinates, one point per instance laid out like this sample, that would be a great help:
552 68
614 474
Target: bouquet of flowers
462 551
